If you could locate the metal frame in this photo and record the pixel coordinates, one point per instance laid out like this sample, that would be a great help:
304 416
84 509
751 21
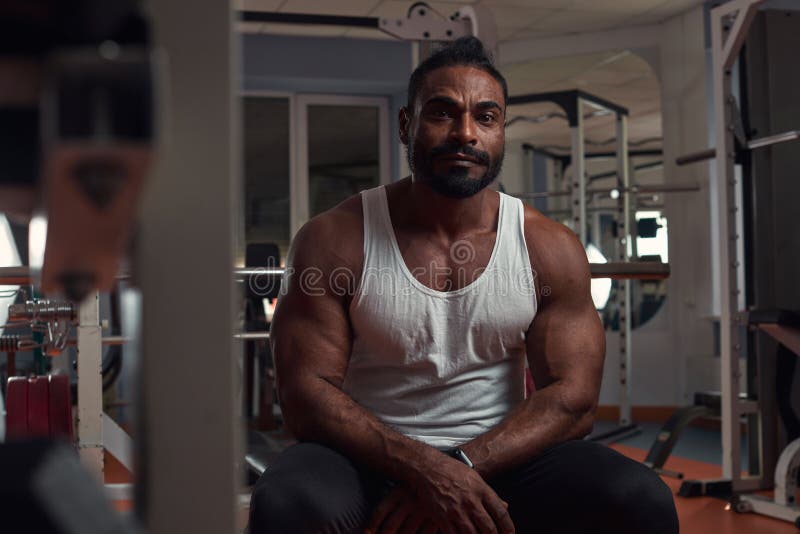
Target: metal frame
90 386
573 103
624 286
724 54
300 211
726 43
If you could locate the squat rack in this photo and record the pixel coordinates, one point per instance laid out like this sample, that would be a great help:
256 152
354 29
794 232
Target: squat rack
730 23
574 102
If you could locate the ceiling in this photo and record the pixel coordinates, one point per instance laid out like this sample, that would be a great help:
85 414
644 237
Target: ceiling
619 76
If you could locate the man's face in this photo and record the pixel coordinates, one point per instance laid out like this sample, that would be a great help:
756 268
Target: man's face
456 132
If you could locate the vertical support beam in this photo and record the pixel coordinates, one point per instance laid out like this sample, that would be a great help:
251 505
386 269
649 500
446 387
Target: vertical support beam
722 61
578 197
188 444
90 385
625 236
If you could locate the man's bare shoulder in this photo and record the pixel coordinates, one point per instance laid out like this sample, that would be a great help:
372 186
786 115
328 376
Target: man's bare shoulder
555 251
332 239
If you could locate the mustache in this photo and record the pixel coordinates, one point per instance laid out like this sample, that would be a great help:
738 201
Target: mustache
452 148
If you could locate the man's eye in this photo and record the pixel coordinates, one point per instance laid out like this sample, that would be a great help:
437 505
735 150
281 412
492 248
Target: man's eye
486 117
441 113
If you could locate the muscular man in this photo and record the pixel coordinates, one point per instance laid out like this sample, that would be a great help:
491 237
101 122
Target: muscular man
400 343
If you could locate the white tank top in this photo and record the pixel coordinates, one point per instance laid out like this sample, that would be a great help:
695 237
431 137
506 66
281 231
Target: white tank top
440 367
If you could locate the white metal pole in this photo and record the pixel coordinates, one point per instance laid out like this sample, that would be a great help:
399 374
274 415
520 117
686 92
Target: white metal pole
90 385
189 456
578 197
625 327
725 49
729 291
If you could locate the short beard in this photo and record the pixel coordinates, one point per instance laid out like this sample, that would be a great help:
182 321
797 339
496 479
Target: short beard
456 183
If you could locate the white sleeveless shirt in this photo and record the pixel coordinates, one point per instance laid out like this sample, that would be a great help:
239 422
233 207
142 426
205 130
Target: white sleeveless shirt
440 367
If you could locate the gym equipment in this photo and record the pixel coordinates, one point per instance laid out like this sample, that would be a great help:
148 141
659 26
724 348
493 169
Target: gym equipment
730 23
423 23
42 405
573 103
784 326
258 387
39 407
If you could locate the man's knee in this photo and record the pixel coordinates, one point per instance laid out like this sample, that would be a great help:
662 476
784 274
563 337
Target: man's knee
625 493
641 501
285 506
310 488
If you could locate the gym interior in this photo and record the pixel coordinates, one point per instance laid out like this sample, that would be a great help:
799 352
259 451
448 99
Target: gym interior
137 290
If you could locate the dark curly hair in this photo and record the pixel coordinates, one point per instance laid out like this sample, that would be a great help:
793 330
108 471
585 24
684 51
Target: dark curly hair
465 51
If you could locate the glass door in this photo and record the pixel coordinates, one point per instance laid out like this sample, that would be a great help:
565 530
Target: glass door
343 148
267 118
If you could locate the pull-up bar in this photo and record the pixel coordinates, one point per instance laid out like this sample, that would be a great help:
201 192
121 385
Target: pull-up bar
711 153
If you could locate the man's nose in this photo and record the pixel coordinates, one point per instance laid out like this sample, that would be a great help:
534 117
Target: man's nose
464 130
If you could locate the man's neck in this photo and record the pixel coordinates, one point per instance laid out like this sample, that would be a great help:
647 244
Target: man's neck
449 218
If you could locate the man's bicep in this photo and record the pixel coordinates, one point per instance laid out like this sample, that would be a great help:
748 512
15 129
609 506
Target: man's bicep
566 341
310 337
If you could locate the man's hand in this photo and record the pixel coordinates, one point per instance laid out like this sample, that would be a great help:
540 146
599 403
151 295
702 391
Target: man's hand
450 498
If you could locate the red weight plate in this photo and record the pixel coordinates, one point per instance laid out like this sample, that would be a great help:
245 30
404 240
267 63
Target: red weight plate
60 407
17 408
39 406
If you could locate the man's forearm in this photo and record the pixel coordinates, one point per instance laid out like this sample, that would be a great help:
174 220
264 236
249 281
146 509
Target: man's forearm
542 421
323 413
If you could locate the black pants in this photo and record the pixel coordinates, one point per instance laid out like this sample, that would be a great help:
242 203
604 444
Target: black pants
579 486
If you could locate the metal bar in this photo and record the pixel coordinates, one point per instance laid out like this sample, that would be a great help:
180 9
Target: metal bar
246 336
694 157
578 187
249 271
738 33
543 194
730 348
561 96
711 153
307 18
625 346
634 189
774 139
611 174
90 387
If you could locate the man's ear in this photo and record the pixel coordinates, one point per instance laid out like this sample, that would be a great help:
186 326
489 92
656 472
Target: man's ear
404 120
